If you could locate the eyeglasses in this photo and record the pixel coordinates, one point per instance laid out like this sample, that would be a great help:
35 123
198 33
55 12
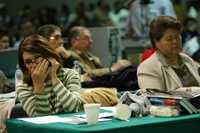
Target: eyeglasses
84 38
29 61
57 37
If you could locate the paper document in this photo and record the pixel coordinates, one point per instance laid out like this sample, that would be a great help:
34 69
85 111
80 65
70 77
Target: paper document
54 119
112 109
187 92
101 115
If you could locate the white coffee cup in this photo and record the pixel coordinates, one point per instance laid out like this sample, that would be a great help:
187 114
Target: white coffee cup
92 112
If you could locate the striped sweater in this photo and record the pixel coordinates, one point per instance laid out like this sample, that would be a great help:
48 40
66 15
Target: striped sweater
63 97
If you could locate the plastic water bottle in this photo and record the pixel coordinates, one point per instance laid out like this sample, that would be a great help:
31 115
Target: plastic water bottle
76 67
18 76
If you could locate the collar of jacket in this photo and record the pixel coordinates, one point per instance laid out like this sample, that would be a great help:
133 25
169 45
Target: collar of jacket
162 59
169 69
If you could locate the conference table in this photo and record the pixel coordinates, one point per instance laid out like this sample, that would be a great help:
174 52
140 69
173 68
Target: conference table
147 124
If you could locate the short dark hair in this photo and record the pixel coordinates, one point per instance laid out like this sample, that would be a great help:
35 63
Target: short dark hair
47 30
75 32
160 24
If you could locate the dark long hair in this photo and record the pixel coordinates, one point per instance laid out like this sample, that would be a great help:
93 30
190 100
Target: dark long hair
35 44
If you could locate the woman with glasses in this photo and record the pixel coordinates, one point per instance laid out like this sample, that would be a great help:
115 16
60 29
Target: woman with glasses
49 88
53 34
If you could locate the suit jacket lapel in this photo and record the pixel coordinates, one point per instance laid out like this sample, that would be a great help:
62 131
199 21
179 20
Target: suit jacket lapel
169 70
193 73
173 75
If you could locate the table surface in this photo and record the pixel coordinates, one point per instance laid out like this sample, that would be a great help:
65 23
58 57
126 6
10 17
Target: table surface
183 124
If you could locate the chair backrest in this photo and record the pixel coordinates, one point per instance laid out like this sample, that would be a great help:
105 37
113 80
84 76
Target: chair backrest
8 61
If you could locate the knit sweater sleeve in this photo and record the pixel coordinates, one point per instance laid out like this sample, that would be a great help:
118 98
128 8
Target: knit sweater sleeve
33 104
66 92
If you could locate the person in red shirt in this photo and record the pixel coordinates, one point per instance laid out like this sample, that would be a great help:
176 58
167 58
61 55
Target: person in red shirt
147 53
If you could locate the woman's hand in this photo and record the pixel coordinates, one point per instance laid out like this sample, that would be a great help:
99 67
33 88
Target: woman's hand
39 74
63 52
53 70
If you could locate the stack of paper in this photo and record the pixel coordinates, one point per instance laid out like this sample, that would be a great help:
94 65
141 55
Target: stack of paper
54 119
78 119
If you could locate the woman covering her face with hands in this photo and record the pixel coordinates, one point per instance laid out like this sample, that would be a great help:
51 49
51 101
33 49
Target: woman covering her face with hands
48 88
